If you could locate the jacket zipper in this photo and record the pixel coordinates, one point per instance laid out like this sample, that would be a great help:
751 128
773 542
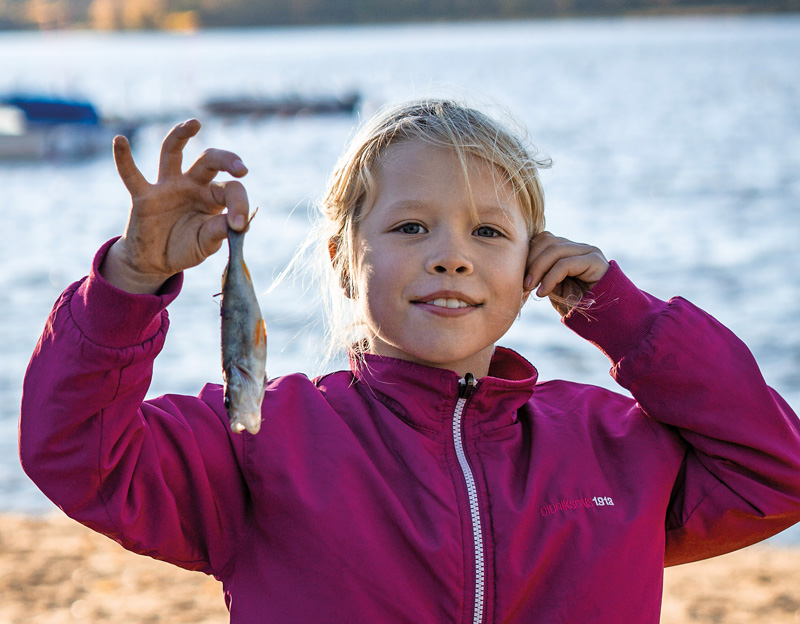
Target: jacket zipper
466 388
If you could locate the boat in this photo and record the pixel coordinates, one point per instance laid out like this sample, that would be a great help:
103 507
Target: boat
286 106
37 127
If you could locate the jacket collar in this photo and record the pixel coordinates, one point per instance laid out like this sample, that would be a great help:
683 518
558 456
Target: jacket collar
426 397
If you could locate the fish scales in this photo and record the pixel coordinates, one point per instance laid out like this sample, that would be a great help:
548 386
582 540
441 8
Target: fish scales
244 342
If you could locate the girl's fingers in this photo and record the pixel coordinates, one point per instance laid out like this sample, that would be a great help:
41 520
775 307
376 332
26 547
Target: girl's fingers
233 195
206 168
215 229
132 178
211 234
553 259
547 249
583 268
172 148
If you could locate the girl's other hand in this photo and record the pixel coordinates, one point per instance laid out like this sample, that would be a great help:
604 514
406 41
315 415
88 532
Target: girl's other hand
564 271
178 221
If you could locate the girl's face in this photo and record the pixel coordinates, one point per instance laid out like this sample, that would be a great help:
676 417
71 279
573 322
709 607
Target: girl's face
436 285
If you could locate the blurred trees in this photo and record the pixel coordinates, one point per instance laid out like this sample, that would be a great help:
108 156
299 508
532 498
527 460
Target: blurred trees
235 12
148 14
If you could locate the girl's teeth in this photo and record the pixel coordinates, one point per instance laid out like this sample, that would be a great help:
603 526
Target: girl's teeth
449 303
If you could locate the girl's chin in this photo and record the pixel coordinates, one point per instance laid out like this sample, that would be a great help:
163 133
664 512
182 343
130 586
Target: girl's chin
455 360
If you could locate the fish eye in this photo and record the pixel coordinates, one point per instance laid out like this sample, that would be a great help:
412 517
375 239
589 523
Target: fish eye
227 402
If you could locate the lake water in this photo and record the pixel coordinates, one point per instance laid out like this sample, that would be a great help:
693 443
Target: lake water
676 149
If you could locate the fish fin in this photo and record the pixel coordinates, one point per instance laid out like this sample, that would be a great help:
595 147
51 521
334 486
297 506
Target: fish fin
261 333
236 375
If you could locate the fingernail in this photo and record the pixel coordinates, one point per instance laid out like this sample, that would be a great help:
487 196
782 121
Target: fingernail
238 222
238 166
528 281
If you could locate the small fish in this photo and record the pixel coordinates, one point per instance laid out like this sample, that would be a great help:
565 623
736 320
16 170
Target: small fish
244 342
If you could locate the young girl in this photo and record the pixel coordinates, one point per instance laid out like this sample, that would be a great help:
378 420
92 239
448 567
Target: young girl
436 480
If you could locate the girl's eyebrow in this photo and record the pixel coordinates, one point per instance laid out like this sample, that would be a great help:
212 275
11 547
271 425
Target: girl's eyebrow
483 211
407 204
492 211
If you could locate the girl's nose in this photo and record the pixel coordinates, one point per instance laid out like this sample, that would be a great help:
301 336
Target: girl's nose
448 258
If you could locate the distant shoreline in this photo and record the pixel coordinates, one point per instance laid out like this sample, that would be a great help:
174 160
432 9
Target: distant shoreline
717 9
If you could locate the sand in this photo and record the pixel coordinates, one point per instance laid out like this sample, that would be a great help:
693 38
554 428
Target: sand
54 571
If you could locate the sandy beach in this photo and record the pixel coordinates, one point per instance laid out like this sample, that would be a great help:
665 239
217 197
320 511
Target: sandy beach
54 571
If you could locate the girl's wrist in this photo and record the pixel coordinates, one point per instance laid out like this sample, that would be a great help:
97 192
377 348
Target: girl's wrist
619 316
118 271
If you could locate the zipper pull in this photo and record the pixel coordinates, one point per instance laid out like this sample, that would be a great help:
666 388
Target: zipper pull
466 386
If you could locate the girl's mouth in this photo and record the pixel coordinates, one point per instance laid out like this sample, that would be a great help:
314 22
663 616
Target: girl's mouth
448 303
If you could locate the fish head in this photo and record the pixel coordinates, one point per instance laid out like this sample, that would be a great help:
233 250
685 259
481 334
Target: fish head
243 398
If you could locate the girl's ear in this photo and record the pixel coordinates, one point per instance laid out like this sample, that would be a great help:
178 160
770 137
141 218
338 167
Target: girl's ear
333 247
523 301
344 275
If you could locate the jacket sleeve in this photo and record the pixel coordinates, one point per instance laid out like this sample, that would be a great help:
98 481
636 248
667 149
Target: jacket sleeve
739 481
160 477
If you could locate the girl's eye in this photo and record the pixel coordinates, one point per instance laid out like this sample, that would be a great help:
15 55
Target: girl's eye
486 232
410 228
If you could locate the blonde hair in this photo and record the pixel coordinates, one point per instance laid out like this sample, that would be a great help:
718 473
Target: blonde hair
352 188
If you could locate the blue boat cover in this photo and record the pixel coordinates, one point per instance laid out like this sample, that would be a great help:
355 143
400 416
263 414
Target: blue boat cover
53 110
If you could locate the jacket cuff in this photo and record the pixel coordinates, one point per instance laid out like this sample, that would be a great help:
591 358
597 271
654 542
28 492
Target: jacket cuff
114 318
618 315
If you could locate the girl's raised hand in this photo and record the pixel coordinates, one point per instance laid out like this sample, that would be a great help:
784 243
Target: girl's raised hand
564 271
178 221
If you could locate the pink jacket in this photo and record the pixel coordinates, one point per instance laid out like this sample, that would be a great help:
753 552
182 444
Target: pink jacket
386 494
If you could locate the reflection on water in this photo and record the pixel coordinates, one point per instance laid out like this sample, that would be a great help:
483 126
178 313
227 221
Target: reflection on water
676 147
